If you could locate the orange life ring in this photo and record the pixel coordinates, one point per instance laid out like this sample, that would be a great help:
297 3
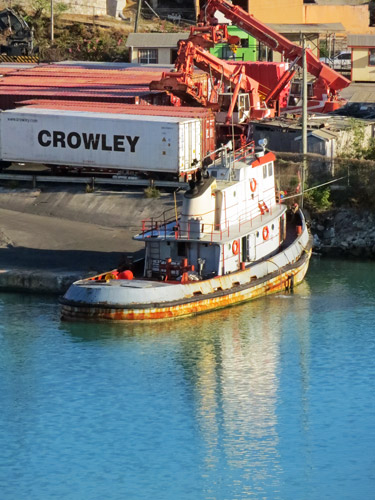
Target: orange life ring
266 233
253 185
235 247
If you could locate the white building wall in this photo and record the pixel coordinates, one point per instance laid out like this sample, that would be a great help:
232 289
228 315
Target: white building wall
164 55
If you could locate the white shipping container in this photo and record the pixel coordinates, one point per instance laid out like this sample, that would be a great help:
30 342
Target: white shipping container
101 140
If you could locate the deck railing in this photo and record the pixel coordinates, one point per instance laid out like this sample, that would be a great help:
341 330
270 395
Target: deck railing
199 229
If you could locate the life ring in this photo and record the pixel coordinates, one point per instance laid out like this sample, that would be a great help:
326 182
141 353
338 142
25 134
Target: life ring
266 233
253 185
235 247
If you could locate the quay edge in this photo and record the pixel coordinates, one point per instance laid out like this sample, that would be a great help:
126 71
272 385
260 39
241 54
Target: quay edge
37 280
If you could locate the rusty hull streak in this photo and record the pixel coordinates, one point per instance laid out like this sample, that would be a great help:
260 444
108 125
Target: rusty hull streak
277 284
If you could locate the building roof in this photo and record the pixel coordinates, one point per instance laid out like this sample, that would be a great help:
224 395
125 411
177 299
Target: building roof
155 40
322 125
308 28
326 135
170 40
342 2
361 40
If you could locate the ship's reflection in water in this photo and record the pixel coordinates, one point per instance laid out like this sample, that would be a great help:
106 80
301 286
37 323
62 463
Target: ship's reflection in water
235 378
232 371
270 400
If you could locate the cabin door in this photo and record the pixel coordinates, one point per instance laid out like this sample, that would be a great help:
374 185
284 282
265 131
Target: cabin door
248 248
282 231
252 247
218 206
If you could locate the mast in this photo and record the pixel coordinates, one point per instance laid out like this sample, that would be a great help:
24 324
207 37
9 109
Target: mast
304 115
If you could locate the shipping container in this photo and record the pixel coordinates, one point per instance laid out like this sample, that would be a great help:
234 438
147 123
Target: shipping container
118 142
206 115
121 83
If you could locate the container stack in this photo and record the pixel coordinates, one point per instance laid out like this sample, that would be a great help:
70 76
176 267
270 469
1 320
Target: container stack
100 117
81 81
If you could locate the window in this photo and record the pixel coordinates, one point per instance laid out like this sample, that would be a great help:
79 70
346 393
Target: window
371 57
181 249
267 170
173 55
148 56
227 53
346 56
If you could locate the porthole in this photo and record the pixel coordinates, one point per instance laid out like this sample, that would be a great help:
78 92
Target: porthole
257 235
273 227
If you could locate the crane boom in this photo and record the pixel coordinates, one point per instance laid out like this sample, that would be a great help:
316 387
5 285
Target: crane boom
221 78
333 80
182 82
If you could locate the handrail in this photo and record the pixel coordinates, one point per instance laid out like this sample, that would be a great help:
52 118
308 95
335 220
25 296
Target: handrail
159 227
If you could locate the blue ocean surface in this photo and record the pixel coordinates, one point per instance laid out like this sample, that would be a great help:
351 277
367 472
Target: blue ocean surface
271 400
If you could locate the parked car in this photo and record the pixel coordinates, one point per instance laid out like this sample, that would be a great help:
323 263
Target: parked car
343 60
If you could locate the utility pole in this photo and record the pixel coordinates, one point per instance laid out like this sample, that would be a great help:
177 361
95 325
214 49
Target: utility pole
52 31
137 16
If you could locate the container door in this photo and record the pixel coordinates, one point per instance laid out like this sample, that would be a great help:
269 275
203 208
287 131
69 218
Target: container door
181 147
198 140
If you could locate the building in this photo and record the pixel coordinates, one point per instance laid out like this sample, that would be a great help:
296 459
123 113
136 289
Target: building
161 48
363 57
329 136
354 15
154 48
312 33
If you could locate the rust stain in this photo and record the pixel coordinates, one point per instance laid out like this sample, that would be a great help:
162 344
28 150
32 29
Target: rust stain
277 284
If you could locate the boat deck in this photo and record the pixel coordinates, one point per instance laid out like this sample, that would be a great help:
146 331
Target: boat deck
234 231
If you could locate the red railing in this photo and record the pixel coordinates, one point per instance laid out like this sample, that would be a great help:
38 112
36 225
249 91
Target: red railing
182 230
244 152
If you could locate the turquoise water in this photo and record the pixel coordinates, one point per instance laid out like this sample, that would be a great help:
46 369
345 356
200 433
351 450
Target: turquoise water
270 400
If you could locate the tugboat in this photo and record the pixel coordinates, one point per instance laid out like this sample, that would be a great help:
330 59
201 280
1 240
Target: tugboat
234 241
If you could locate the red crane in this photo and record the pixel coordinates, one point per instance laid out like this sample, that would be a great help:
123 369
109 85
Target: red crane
220 75
328 81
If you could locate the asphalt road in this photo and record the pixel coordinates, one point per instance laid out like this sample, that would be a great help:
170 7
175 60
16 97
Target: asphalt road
40 242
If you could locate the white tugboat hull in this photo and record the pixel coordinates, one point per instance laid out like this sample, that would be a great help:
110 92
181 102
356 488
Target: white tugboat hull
142 300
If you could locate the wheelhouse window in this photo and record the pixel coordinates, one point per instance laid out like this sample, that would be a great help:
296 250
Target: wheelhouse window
267 170
148 56
371 57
